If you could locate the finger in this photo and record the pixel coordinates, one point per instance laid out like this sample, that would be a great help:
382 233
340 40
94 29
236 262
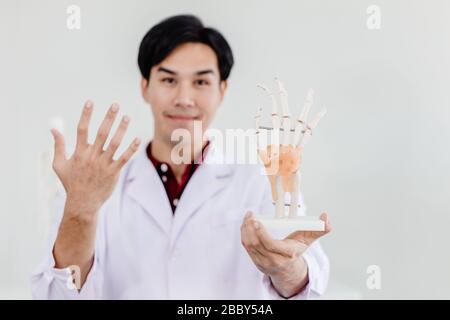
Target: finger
275 109
324 217
118 136
270 244
313 124
83 125
283 97
258 119
248 215
132 148
308 237
60 147
306 107
255 247
286 122
258 129
244 233
249 226
246 236
105 127
301 121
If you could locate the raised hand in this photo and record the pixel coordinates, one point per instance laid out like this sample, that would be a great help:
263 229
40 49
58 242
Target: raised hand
90 174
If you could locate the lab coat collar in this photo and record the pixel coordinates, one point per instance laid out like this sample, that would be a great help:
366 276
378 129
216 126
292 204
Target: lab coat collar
145 187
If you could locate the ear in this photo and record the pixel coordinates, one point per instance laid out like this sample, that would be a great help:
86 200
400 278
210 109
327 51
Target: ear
144 87
223 89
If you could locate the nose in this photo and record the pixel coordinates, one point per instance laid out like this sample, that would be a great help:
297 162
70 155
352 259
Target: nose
184 97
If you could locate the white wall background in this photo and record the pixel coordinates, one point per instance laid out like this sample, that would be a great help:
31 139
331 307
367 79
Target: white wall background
379 163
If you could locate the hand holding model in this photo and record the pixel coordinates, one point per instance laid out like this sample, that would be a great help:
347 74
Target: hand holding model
282 260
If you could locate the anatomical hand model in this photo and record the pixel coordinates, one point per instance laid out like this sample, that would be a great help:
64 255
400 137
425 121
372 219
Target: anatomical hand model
282 160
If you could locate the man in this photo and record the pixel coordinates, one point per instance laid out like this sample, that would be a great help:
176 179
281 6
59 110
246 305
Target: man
155 228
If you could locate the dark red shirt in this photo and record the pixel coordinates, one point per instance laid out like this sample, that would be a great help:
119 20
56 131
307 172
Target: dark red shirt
174 189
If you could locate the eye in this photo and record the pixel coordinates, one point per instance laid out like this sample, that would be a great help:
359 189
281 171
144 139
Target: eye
168 80
201 82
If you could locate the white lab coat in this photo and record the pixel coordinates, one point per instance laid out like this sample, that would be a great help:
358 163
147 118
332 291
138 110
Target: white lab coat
143 251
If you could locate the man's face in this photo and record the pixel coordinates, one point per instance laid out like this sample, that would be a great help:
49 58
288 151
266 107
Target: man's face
183 88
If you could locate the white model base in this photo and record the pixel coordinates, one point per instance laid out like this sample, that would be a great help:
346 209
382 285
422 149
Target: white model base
285 226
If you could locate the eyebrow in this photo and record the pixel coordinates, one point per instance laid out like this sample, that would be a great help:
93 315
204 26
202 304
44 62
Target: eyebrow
198 73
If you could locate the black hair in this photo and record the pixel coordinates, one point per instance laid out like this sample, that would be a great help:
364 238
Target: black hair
164 37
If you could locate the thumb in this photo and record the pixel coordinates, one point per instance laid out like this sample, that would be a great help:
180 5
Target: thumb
60 146
324 217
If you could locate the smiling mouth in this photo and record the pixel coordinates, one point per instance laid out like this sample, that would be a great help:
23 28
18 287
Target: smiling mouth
182 117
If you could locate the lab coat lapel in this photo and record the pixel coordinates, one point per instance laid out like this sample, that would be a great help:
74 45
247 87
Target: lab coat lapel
210 177
145 187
